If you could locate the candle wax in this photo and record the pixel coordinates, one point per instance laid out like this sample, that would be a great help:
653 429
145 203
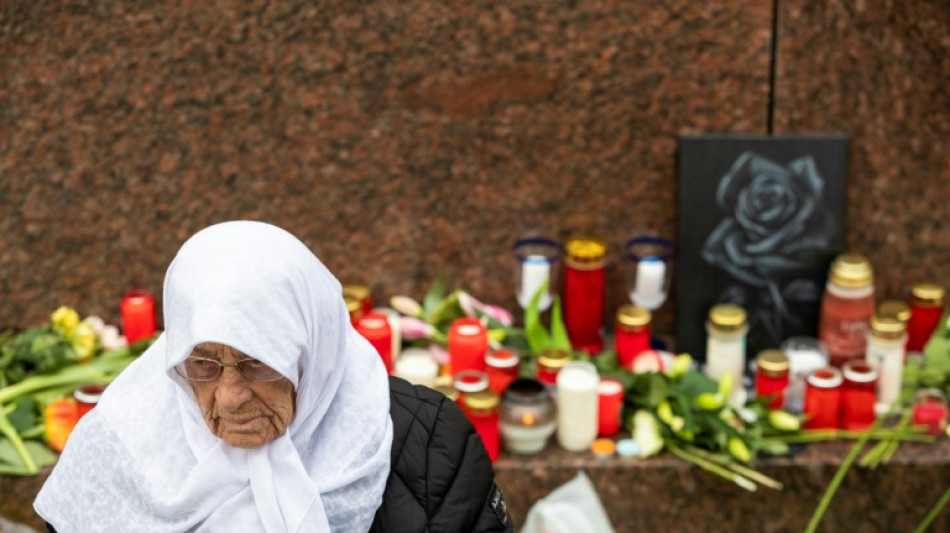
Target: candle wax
649 291
534 271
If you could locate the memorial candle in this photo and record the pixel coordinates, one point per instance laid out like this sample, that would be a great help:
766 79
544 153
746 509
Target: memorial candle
930 409
502 369
577 420
584 283
482 409
527 416
374 327
631 333
858 395
138 315
468 343
416 366
609 406
926 307
823 399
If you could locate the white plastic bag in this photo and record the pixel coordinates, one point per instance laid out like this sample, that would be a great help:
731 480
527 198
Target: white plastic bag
574 507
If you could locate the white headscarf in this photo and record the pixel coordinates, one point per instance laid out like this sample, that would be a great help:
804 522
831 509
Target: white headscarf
144 459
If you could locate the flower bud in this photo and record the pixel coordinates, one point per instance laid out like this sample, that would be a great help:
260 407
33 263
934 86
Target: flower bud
665 413
709 401
681 364
784 421
725 384
64 319
739 450
83 340
406 305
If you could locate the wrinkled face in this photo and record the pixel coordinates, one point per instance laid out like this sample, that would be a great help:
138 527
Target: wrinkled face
242 412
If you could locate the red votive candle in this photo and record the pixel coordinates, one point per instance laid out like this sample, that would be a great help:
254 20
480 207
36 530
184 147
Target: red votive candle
823 399
138 315
584 281
467 382
87 397
930 409
926 307
482 409
354 308
360 293
609 405
502 369
631 333
374 327
550 363
858 395
468 343
771 377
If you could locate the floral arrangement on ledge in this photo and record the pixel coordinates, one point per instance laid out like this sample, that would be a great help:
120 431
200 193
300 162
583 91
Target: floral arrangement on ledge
39 370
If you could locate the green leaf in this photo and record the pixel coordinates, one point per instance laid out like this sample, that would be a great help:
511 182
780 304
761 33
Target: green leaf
559 338
23 416
538 338
41 453
435 296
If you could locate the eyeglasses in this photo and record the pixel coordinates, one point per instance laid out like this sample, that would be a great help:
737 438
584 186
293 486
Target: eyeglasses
202 369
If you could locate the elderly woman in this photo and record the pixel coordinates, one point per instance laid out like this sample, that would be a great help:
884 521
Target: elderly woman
261 409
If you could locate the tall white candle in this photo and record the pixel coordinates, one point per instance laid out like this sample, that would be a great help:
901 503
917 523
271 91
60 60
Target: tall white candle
535 269
887 356
417 367
649 291
577 386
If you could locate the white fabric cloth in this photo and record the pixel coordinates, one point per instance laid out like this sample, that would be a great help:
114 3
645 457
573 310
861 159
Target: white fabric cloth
144 460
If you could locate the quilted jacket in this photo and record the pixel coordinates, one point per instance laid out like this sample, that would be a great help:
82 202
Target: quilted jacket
441 479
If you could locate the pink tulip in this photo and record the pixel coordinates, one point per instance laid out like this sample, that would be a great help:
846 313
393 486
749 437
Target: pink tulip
414 328
406 305
469 305
439 354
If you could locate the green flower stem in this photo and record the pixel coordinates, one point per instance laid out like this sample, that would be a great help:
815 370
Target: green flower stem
883 450
832 434
839 475
34 432
712 467
932 515
754 475
8 431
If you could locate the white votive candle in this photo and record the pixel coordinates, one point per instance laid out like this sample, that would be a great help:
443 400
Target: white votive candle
535 270
417 367
649 290
577 386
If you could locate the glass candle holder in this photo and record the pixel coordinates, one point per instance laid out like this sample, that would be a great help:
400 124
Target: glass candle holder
858 394
846 308
885 352
416 366
536 260
527 416
926 307
823 399
374 327
649 269
482 409
609 406
725 345
576 400
138 315
361 293
468 343
930 409
550 362
631 333
502 369
87 397
805 355
584 284
771 377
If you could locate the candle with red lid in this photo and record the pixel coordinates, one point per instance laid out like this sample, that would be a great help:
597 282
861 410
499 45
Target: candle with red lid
482 409
375 328
87 397
138 315
858 394
631 333
609 406
502 369
469 381
926 307
930 409
823 399
468 343
584 282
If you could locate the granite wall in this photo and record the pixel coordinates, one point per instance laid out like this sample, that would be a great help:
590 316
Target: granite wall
408 140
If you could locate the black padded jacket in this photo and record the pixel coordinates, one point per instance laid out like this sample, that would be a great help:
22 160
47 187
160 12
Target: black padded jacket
441 479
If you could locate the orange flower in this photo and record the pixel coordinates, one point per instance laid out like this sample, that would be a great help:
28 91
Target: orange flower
61 417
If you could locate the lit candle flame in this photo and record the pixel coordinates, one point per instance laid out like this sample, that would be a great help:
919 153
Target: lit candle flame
527 419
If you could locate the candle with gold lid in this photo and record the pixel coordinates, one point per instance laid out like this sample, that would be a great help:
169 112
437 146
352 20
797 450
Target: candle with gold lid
725 344
354 307
771 376
482 409
631 333
926 308
359 292
584 283
550 363
846 308
885 352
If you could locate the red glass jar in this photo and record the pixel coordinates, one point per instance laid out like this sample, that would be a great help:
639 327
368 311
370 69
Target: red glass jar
468 344
930 409
823 399
858 395
469 381
926 308
360 293
771 377
550 362
87 397
138 315
631 333
374 327
846 308
482 409
584 282
502 369
609 406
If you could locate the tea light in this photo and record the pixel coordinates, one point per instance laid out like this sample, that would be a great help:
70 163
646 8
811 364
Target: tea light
468 343
930 409
417 367
138 315
527 416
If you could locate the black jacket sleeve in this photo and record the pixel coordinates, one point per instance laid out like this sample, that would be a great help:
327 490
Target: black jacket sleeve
441 478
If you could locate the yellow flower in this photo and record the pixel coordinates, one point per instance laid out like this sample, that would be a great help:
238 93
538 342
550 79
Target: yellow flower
64 319
784 421
83 340
739 450
709 401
